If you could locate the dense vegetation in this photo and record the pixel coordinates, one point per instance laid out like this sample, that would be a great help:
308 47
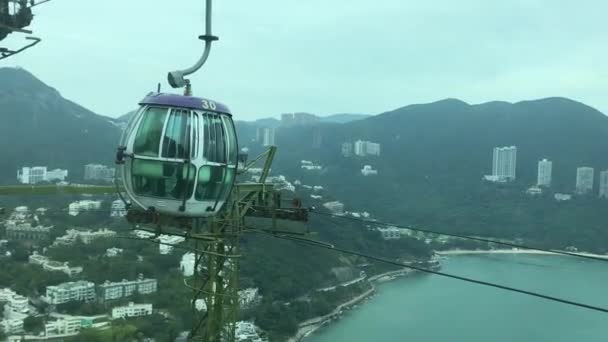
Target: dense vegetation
284 272
433 159
43 128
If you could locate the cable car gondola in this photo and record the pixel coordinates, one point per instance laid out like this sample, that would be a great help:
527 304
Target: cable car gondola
178 154
182 155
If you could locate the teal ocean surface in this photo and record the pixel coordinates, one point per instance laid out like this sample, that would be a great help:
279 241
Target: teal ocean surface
436 309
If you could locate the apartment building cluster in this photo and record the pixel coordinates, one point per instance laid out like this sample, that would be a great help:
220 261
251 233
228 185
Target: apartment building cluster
27 231
504 165
86 291
38 174
86 236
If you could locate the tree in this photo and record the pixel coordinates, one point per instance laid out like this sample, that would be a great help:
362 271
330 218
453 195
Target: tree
33 324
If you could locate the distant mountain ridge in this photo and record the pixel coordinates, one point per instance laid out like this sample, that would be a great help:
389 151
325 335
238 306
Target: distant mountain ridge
43 128
47 129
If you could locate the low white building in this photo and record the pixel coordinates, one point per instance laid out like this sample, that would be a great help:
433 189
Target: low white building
20 213
308 165
131 310
86 236
71 325
25 231
56 175
390 233
67 326
167 241
54 266
115 290
247 332
77 291
335 207
364 214
142 234
316 197
112 252
249 297
368 171
13 324
76 207
562 197
119 209
14 302
534 191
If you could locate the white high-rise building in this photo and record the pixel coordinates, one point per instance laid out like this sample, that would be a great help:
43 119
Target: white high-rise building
365 148
604 184
584 180
265 136
545 169
504 163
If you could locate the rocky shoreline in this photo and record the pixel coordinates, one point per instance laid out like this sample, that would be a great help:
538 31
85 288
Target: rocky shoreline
311 325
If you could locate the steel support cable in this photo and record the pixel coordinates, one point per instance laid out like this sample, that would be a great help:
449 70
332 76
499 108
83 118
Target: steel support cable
447 275
466 237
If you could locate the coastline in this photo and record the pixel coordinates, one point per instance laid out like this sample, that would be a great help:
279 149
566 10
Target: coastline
311 325
308 327
511 251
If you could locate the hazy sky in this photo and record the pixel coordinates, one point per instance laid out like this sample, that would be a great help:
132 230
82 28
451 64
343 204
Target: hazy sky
324 56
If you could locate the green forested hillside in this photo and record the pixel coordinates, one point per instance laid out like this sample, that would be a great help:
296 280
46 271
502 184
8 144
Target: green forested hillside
434 156
40 127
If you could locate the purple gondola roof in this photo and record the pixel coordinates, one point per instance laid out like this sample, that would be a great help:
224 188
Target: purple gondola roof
174 100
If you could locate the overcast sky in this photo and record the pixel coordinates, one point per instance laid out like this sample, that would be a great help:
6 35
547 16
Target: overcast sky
324 56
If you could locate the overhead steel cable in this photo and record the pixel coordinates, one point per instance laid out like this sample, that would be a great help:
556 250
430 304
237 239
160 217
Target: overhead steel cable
467 237
442 274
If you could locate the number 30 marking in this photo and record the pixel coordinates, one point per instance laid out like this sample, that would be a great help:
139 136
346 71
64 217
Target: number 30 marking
209 105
